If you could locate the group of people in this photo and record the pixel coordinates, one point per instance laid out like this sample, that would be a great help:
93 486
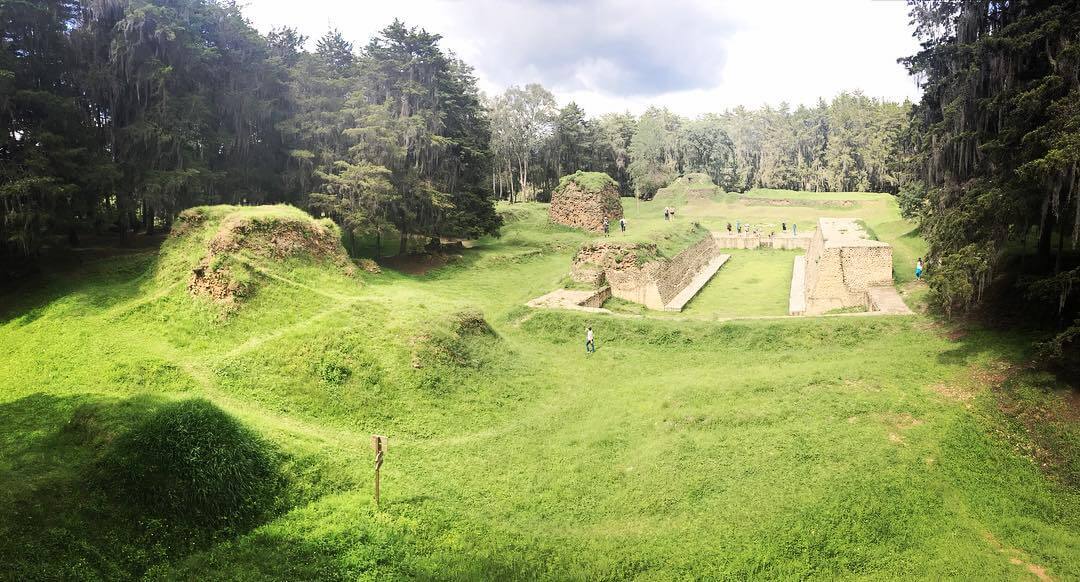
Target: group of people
740 227
607 225
669 213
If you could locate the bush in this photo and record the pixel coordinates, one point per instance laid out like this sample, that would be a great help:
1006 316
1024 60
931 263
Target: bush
191 461
471 322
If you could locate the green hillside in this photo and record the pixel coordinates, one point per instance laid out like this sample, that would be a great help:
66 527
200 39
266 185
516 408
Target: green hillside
869 447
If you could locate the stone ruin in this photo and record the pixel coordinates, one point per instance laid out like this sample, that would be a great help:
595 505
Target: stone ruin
637 272
844 268
584 200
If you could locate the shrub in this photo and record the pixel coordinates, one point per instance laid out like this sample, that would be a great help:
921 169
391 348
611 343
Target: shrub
471 322
191 461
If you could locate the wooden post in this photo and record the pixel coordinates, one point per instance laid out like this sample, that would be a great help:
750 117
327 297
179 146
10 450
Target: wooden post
379 443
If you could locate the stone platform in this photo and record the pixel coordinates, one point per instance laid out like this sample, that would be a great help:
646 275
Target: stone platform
578 300
797 296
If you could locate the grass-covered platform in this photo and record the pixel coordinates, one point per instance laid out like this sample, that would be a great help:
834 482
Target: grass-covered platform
683 448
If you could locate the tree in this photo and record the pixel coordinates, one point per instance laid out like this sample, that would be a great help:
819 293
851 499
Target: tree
997 158
654 151
522 120
708 148
616 133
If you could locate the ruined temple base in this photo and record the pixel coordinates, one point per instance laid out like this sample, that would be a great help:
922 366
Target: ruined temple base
844 269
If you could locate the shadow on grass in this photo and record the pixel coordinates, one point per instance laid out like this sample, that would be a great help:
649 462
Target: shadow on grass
98 284
55 522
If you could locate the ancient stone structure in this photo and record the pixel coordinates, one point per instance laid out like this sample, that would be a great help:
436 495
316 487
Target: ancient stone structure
581 300
636 272
584 200
761 241
843 268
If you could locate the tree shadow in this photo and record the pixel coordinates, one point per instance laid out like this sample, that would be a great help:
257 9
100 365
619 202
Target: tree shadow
56 522
98 284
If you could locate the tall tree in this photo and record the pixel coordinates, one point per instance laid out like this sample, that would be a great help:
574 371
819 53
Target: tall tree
654 151
999 151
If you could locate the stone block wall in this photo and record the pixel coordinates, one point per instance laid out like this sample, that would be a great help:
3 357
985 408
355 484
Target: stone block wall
598 298
656 283
751 241
677 273
637 284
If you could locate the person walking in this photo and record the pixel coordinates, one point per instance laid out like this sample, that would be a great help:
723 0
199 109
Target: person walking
783 227
622 225
607 225
729 228
667 214
794 229
918 269
738 227
590 346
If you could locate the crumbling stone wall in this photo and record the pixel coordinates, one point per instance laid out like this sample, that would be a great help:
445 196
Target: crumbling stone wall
583 200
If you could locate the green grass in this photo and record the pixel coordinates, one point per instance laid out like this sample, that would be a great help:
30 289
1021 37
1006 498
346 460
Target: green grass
589 181
774 193
751 282
683 448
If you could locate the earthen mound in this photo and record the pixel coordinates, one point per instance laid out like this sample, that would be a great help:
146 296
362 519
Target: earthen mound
236 240
584 200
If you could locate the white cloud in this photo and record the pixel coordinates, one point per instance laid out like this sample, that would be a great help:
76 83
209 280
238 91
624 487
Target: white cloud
693 56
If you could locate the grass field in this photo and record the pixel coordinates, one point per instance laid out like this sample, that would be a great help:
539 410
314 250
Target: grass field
850 447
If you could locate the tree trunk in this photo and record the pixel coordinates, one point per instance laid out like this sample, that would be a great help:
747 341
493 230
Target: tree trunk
1046 237
403 244
125 225
148 217
378 243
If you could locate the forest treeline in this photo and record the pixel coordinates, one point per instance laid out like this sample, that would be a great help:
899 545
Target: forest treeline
117 114
853 143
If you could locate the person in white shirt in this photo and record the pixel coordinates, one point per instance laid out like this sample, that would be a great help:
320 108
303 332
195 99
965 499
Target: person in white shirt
590 347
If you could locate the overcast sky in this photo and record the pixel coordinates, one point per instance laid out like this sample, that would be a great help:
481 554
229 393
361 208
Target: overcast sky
693 56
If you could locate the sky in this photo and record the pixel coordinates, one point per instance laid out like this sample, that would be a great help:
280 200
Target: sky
692 56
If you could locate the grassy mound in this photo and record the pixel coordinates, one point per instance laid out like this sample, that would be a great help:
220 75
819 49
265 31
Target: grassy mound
192 462
688 187
233 239
591 182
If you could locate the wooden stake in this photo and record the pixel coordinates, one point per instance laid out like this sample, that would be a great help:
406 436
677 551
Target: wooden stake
379 443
